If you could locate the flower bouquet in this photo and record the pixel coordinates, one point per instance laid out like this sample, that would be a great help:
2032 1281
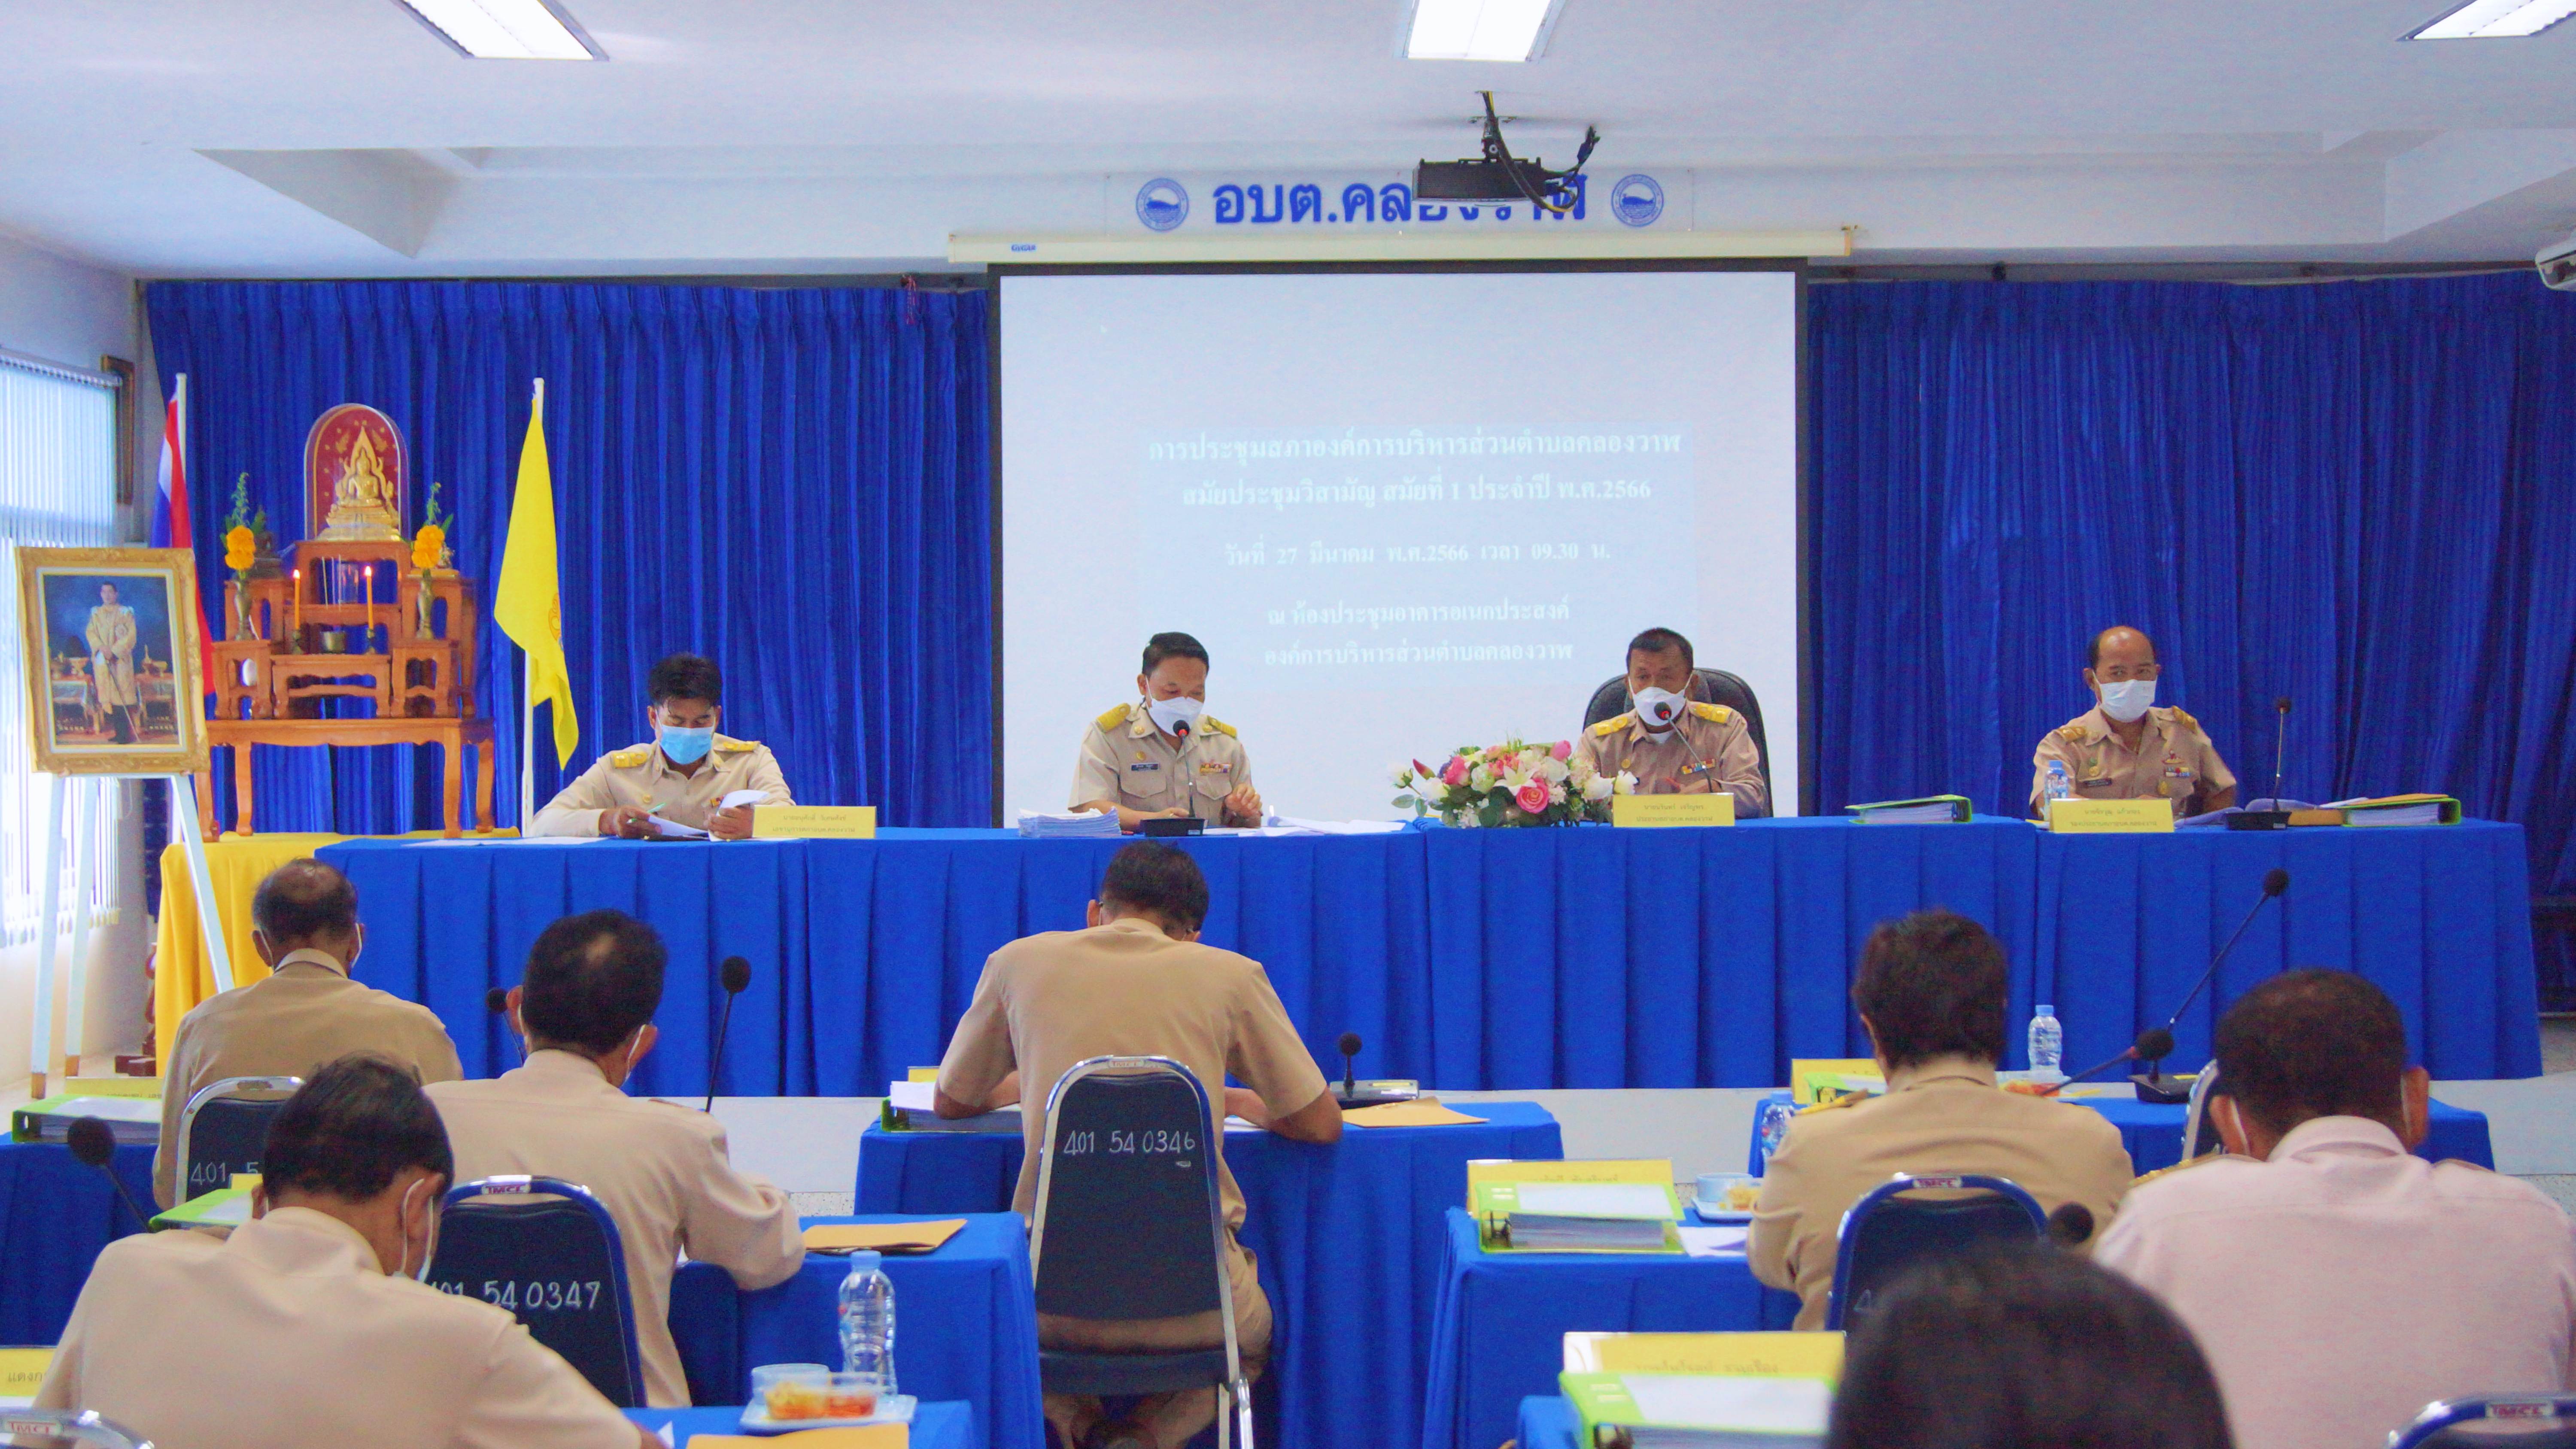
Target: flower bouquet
1513 783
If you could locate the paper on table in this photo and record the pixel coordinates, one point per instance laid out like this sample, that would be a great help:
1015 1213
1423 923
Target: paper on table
675 829
913 1096
742 797
880 1237
1780 1406
1291 825
1634 1201
1713 1242
110 1109
1406 1114
865 1436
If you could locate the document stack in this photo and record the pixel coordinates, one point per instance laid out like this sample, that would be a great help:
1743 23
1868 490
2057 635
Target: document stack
1923 810
1702 1390
2398 810
1575 1207
910 1107
131 1121
1069 824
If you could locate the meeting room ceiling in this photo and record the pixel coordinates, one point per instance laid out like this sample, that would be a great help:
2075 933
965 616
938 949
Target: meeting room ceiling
341 137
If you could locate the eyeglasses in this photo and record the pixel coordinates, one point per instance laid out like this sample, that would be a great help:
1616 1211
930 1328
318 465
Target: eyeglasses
2120 673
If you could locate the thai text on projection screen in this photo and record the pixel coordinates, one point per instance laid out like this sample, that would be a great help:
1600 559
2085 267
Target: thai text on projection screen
1404 512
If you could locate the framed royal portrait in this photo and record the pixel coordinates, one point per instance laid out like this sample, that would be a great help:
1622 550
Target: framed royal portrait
112 657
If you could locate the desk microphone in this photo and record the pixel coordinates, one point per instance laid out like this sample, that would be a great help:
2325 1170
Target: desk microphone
2070 1225
497 1002
736 974
2276 818
92 1142
2157 1042
1349 1047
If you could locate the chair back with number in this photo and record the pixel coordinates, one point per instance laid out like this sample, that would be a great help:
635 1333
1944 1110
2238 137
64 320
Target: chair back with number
2199 1133
224 1130
1128 1224
1887 1232
64 1429
1714 686
556 1261
2506 1421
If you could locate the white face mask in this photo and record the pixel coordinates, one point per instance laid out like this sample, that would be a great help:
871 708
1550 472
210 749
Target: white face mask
417 1201
2128 699
1659 709
1171 715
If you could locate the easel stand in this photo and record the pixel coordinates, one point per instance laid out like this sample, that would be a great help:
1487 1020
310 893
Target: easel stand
87 808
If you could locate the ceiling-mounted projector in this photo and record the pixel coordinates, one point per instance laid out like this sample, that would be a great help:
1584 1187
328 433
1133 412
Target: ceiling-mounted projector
1496 176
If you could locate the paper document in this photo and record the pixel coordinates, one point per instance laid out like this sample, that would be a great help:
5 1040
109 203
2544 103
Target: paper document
1713 1242
1069 824
674 829
742 797
1406 1114
881 1237
1634 1201
1779 1406
913 1096
1291 825
109 1109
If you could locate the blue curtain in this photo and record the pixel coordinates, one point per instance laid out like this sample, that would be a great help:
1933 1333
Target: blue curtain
794 482
2358 495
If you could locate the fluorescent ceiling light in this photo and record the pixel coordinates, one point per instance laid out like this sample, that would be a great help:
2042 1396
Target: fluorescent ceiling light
2497 20
504 29
1509 30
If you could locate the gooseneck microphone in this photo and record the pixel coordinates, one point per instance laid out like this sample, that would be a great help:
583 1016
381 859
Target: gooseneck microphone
92 1142
1349 1047
736 974
497 1002
2157 1042
2280 746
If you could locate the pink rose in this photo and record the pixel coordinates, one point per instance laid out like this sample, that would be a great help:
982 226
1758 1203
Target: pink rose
1564 749
1531 797
1455 772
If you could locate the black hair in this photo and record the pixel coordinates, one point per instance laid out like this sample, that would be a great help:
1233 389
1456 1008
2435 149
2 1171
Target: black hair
1172 644
2093 651
592 979
2313 1043
2024 1348
301 901
1158 879
1658 640
350 1128
1932 985
684 676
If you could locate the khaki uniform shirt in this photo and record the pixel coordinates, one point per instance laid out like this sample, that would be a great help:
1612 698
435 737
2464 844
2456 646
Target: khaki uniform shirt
2174 759
289 1333
1940 1116
660 1169
1708 749
1126 759
286 1024
1048 1001
2344 1284
642 776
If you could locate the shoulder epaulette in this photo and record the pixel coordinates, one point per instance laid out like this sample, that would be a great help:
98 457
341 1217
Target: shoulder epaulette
1211 722
735 747
1847 1100
1713 713
2184 716
2074 733
628 759
1613 726
2202 1160
1114 718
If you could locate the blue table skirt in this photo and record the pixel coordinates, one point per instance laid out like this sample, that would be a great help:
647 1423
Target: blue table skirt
965 1326
1348 1239
1466 958
55 1217
934 1426
1548 1421
1498 1331
2153 1132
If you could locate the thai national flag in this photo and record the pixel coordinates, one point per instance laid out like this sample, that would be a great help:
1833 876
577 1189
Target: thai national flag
170 527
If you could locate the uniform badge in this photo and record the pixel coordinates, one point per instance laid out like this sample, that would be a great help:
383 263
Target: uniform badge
1146 765
1216 767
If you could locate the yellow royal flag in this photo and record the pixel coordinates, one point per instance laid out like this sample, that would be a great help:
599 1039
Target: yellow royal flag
528 602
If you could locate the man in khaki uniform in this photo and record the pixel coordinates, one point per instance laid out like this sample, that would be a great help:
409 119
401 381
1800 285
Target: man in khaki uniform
304 924
1163 757
112 636
586 1008
683 776
1931 992
2124 748
1137 983
305 1327
1671 743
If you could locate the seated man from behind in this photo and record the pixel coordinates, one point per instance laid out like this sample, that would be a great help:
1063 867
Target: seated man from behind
1931 991
586 1008
2339 1283
1137 983
306 1011
305 1327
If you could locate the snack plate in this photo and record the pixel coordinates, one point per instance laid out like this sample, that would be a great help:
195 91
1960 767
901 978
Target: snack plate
1716 1216
892 1409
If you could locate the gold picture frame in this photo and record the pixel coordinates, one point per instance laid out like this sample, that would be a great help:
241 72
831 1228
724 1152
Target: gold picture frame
109 640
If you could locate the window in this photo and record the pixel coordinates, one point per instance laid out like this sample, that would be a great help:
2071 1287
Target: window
58 450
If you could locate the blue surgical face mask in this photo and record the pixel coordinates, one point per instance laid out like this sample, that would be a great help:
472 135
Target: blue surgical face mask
687 746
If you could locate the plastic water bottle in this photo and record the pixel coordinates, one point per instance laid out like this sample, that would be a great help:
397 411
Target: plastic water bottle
2047 1051
867 1321
2055 787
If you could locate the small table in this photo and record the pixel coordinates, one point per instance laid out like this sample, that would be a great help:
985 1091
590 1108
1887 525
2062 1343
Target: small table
948 1425
451 735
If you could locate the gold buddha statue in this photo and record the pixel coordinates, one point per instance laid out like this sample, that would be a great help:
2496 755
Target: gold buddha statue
362 501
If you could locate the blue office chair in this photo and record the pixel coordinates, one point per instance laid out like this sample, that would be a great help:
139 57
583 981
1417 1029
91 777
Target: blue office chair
2520 1421
1129 1225
1886 1233
224 1130
554 1260
65 1429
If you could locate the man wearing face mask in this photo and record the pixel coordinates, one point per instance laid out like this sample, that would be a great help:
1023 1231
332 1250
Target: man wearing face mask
2125 747
1671 743
586 1009
682 776
304 1327
1163 757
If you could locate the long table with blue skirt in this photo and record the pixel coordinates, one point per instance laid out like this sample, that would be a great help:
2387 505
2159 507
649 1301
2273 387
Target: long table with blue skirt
934 1426
1498 1330
1485 959
1348 1238
56 1216
2152 1131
